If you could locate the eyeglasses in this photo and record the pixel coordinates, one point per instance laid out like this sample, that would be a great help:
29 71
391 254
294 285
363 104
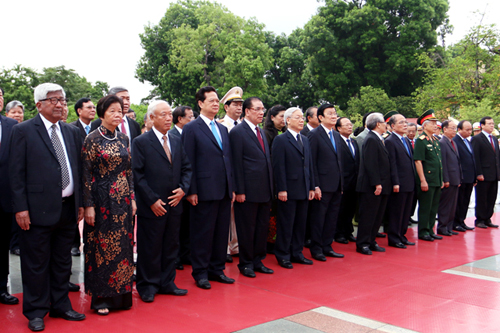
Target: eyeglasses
259 109
54 100
298 118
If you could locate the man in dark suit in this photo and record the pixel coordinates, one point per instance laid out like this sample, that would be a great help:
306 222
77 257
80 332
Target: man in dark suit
6 125
293 174
311 120
349 158
485 147
181 116
327 170
468 165
403 182
45 175
374 185
452 176
128 126
212 190
162 174
254 190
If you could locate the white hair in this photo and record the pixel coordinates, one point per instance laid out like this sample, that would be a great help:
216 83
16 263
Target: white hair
290 111
152 107
373 119
13 104
42 90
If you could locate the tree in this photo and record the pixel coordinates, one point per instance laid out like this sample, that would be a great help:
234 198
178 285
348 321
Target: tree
74 85
369 100
18 84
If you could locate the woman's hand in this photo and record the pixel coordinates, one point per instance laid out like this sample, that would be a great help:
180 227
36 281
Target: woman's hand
89 215
134 207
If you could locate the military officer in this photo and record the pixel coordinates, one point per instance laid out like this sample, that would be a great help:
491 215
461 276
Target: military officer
427 156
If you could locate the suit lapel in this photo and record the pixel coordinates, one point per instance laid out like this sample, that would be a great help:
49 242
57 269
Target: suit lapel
44 134
207 131
69 142
252 135
155 143
326 138
294 142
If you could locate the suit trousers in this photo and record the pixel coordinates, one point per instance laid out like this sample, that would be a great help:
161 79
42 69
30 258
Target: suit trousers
447 208
6 222
348 204
486 195
399 213
209 228
325 213
464 192
252 223
290 229
184 256
371 212
46 264
157 248
428 205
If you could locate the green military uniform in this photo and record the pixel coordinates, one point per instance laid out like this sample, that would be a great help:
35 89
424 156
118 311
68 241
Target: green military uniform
428 150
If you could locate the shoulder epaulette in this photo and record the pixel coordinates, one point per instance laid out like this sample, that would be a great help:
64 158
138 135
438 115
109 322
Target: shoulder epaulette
421 137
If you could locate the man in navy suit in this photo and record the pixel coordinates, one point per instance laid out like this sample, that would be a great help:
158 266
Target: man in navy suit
452 176
254 191
468 164
374 185
485 147
403 182
6 125
292 166
162 174
45 174
212 190
327 170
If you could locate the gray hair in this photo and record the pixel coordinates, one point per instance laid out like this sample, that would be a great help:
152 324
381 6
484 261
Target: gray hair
412 124
289 112
152 107
116 90
373 119
42 90
13 104
309 113
428 121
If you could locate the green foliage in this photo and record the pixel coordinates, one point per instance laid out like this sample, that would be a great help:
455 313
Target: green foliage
140 111
18 83
484 108
369 100
406 106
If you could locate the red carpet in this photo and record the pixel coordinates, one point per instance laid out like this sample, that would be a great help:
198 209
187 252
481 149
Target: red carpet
405 288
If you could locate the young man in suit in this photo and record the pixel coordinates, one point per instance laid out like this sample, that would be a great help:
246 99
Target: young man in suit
254 190
162 175
485 147
211 192
45 173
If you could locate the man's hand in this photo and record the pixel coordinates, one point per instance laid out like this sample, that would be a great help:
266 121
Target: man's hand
317 193
176 198
395 188
311 195
283 196
134 208
233 198
378 190
89 215
192 199
446 184
240 198
480 178
23 219
157 208
424 186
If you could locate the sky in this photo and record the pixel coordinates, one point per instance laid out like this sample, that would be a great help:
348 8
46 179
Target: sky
99 39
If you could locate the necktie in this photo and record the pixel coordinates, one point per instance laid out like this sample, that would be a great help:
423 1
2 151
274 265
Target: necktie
235 123
299 140
492 144
467 145
453 145
259 137
60 156
215 133
413 144
87 129
350 147
167 150
124 131
333 141
406 146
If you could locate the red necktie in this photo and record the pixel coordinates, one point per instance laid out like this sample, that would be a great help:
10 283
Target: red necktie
492 144
413 144
453 144
259 137
124 131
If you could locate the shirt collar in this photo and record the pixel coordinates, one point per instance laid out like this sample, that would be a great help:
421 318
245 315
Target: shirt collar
252 126
293 133
487 135
206 119
309 126
379 136
48 124
178 129
326 130
230 120
82 123
158 134
399 136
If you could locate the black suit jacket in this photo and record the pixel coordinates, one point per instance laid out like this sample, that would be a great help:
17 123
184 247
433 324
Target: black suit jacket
350 164
452 172
212 166
487 159
253 173
174 132
375 167
326 162
467 161
135 128
292 166
35 175
78 124
305 131
154 176
5 196
402 164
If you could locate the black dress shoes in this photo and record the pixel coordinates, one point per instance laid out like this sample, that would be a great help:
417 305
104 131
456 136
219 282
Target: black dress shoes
179 266
73 287
351 238
364 250
75 252
148 298
248 272
446 233
264 269
285 263
177 292
426 238
407 242
319 256
398 245
36 324
481 225
203 284
333 254
454 233
307 243
70 315
413 221
381 235
6 298
466 227
220 278
342 240
491 225
459 228
303 261
377 248
229 259
436 236
17 252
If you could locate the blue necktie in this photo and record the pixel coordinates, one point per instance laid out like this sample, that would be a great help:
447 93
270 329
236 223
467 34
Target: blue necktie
406 146
467 145
216 134
87 129
333 141
350 147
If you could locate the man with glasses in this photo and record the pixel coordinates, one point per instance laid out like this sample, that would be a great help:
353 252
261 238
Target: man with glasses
45 173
